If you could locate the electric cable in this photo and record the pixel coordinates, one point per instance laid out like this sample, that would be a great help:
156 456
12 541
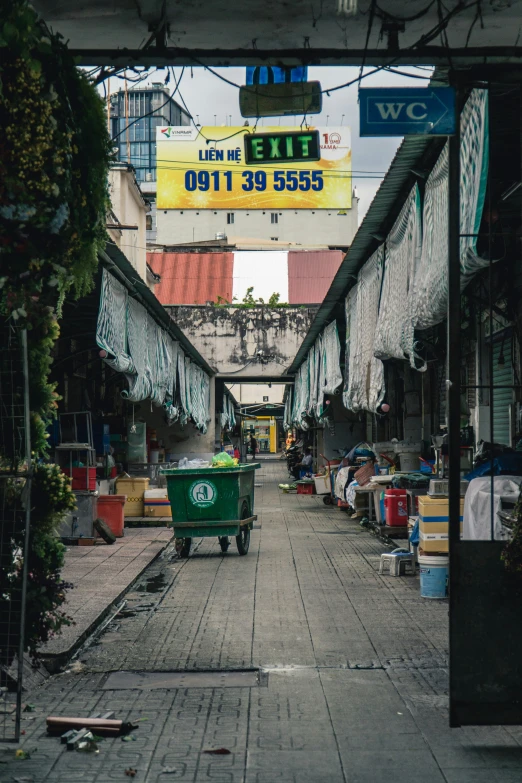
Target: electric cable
150 113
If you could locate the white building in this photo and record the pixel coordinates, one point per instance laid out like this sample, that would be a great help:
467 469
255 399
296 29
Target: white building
127 221
327 227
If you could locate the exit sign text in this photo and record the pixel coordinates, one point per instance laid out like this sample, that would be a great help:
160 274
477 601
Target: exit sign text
282 147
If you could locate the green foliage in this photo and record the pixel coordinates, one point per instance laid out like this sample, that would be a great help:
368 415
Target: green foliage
51 498
54 159
249 301
55 152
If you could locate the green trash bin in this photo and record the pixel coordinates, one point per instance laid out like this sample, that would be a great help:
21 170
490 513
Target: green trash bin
212 502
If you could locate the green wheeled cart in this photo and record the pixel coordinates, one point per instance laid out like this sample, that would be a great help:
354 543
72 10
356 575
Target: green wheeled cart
209 502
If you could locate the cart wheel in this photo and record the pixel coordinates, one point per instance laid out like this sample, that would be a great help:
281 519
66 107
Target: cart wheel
243 539
224 543
183 546
327 500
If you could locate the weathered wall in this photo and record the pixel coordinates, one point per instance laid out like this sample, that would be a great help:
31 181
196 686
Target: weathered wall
230 338
246 393
130 208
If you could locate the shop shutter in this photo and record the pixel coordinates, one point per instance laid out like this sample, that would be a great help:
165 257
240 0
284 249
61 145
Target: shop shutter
502 397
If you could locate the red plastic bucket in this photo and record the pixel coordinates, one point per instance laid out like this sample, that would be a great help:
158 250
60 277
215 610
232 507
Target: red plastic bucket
396 507
110 509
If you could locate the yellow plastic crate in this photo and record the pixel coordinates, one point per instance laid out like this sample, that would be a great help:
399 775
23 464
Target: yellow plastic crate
134 490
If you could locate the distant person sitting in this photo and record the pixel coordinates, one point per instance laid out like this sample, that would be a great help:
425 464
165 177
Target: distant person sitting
305 464
253 447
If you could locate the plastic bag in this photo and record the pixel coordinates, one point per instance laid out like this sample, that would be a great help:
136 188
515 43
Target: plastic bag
223 460
185 464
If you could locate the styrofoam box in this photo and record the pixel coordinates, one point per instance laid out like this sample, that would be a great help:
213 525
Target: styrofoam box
322 485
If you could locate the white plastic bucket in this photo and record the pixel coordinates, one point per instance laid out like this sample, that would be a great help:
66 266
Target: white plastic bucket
410 461
434 573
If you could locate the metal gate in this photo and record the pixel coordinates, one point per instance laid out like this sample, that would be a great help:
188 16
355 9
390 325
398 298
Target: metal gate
15 486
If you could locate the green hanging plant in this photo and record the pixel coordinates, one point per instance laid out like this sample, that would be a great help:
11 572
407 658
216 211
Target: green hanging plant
55 152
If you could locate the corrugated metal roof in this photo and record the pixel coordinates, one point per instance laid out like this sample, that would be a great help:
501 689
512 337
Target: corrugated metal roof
310 274
414 158
192 278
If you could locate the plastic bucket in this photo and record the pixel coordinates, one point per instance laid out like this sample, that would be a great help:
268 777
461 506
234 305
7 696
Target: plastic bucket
434 572
409 461
110 509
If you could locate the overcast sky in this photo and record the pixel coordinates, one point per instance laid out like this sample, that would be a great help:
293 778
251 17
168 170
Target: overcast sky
212 101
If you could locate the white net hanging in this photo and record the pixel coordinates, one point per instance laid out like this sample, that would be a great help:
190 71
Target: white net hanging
231 413
171 408
184 413
301 396
428 295
188 386
365 386
313 358
331 376
350 309
287 416
224 417
394 331
197 395
111 328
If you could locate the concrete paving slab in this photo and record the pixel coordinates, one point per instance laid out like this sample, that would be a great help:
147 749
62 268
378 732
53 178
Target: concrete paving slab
358 682
99 583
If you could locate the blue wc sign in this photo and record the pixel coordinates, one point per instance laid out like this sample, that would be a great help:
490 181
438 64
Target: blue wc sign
405 111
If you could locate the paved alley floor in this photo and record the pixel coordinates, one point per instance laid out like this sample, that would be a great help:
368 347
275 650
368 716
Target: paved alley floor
101 575
354 688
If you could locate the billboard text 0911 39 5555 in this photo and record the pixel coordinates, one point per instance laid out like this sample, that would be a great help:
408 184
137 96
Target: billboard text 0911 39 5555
195 173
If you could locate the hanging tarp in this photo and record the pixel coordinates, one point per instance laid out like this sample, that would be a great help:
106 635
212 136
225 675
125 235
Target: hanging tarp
365 386
331 376
111 328
428 296
140 331
402 251
151 361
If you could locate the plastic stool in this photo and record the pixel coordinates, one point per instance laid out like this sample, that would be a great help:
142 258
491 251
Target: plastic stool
397 562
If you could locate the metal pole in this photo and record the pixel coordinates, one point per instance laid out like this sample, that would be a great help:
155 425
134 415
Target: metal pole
127 129
109 105
453 368
27 503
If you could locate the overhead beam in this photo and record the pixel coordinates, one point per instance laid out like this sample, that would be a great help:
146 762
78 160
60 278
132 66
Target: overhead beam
427 55
256 379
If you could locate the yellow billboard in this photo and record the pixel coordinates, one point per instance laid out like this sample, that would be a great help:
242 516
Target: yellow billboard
204 168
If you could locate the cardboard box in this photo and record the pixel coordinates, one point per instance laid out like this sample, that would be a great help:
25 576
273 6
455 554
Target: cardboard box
434 522
436 509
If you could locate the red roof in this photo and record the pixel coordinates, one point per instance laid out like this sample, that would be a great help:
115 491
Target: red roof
192 278
310 274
